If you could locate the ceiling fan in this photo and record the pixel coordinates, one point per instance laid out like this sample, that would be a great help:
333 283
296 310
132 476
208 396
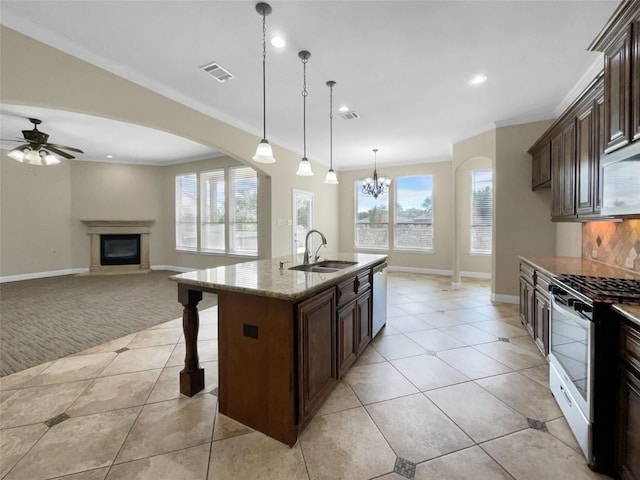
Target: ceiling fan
37 150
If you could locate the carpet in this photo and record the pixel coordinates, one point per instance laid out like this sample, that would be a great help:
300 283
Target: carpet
48 318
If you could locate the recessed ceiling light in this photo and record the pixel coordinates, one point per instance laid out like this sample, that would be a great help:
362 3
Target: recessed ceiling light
278 42
478 79
343 108
109 156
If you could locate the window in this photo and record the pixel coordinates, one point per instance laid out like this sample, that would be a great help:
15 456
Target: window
372 219
481 211
243 211
413 219
212 214
217 211
186 212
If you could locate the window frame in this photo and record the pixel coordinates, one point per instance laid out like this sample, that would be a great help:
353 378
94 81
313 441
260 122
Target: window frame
196 221
414 249
229 190
476 251
357 193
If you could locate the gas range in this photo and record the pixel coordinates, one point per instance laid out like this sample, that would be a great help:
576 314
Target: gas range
601 289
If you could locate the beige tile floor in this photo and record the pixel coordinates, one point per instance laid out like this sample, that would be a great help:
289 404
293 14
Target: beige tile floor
444 392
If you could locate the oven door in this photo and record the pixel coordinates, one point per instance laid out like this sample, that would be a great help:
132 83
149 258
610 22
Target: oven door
570 353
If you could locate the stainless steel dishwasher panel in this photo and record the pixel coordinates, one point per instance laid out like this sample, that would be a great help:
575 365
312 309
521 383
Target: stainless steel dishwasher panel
379 298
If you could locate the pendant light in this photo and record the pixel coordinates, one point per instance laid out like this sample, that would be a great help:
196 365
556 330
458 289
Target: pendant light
264 154
304 167
375 186
331 177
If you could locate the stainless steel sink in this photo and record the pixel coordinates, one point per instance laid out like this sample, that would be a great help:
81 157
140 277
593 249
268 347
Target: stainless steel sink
325 266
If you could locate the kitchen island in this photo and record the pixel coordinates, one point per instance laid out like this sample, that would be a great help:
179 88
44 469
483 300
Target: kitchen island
284 336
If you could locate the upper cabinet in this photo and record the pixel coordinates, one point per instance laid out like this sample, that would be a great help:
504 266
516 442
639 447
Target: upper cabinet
619 40
606 118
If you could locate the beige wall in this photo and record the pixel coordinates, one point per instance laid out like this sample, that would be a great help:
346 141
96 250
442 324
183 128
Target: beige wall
35 217
522 217
441 171
105 191
74 85
569 239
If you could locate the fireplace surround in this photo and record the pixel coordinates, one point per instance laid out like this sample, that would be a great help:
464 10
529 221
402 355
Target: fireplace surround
119 259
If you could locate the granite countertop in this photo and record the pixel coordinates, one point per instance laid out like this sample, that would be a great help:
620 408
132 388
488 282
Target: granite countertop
264 277
632 312
554 266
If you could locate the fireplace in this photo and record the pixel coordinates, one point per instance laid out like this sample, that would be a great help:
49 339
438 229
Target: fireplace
120 249
119 246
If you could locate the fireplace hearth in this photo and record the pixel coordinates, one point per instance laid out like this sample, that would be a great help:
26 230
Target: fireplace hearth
119 246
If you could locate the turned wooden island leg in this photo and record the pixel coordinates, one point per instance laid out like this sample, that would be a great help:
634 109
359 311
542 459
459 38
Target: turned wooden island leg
192 377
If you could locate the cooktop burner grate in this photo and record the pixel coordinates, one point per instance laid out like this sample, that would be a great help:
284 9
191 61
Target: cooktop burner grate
604 289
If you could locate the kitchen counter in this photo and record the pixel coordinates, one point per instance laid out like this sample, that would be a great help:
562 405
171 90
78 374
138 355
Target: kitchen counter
264 277
555 266
285 337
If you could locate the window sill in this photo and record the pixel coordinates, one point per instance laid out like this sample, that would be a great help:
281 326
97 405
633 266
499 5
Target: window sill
414 250
479 254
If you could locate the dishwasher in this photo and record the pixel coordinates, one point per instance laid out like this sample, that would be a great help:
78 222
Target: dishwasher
379 298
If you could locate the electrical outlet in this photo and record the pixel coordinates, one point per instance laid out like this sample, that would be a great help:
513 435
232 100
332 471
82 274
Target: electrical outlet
279 222
628 263
594 253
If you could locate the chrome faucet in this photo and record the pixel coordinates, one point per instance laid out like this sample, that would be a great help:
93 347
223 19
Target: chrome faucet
305 261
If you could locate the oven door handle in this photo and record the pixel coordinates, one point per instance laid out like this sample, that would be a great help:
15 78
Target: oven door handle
555 305
566 396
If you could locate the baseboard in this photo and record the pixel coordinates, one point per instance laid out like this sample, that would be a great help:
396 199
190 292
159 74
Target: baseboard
173 268
50 273
430 271
500 298
483 275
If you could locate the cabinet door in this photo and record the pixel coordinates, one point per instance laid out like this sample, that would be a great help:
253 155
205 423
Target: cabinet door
364 321
316 350
347 341
556 176
586 160
617 88
541 322
600 142
541 167
568 171
635 81
526 305
628 435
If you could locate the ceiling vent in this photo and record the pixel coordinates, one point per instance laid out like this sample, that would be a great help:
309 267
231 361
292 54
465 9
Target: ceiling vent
216 71
350 115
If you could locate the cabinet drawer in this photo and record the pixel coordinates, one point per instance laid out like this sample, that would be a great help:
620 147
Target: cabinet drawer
527 271
354 286
630 345
542 283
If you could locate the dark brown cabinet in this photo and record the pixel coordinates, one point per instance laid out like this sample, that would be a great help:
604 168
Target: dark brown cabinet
354 319
568 171
628 414
541 167
534 304
316 351
617 86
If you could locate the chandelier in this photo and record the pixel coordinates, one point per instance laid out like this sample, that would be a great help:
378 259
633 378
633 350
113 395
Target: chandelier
375 186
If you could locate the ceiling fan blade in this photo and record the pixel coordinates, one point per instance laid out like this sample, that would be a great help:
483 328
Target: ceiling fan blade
73 149
58 152
12 140
19 147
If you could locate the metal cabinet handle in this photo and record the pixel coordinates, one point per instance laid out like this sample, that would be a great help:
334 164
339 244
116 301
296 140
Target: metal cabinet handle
566 396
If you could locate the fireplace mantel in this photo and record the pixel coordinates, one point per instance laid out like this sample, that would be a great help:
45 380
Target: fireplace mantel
95 228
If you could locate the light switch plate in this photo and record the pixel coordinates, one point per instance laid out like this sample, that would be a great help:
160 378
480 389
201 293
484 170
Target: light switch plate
594 254
628 262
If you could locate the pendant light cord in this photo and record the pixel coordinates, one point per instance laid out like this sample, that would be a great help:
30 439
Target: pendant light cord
331 127
264 76
304 106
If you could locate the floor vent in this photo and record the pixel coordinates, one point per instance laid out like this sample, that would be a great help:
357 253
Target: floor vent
216 71
350 115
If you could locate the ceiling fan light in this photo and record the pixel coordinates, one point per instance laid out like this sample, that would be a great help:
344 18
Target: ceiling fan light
304 168
33 157
264 154
17 155
51 159
331 178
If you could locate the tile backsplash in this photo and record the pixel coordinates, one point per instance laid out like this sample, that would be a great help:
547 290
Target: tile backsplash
613 243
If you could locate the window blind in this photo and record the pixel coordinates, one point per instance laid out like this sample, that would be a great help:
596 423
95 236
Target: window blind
243 210
212 210
481 211
186 212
